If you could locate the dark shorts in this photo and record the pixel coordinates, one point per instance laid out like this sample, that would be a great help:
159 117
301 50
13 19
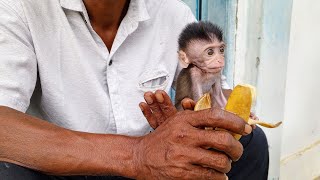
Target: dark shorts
253 165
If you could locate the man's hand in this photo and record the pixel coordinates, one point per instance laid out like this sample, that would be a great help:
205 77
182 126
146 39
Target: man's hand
175 150
159 107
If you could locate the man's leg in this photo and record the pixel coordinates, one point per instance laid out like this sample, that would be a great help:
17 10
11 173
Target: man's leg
10 171
254 163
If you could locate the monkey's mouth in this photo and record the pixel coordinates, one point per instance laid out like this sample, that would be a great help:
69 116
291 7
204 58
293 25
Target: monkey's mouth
215 69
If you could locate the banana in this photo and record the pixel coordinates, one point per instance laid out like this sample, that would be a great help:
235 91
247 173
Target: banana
239 103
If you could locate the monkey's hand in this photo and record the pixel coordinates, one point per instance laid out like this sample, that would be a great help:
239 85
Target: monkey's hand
158 107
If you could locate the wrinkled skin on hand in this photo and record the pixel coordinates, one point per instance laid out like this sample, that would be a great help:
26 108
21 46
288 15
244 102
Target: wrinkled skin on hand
158 108
177 149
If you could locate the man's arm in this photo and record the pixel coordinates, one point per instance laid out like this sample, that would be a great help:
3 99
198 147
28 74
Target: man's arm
174 150
37 144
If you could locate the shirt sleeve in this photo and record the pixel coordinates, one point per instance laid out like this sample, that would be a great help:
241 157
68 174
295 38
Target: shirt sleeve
18 65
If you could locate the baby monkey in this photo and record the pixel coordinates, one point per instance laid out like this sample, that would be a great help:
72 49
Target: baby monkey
201 53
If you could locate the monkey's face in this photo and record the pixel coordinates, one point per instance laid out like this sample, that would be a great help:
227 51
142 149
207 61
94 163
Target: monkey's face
208 56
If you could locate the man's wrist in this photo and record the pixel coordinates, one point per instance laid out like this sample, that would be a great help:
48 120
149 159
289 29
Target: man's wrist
120 155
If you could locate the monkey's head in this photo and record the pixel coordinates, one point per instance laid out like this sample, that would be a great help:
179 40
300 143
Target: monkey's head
201 44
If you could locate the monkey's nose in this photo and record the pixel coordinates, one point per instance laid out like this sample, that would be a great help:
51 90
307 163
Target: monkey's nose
220 61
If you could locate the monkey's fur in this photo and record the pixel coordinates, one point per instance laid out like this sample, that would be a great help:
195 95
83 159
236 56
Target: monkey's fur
201 50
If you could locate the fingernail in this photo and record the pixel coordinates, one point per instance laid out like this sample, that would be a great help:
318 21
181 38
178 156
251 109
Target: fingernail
247 129
188 105
141 107
149 99
159 97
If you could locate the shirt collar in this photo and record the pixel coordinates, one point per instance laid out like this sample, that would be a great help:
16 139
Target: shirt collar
137 10
74 5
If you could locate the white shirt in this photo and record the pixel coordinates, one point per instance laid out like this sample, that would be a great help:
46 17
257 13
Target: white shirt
50 52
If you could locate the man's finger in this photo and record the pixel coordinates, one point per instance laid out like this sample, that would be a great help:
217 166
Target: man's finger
221 141
148 114
216 117
165 104
188 104
211 159
154 105
199 172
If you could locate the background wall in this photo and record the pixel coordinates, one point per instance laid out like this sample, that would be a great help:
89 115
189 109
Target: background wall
261 60
300 153
276 50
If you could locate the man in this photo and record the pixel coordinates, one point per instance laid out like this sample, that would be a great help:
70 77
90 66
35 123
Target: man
83 67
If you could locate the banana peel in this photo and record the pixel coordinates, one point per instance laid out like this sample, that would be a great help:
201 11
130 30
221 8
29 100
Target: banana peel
239 103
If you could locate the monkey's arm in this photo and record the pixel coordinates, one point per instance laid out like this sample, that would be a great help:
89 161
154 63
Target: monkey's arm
183 88
226 92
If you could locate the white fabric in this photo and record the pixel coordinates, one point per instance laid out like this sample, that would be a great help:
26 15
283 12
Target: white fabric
48 50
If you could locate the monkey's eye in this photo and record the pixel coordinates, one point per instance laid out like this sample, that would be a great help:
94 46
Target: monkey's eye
210 52
222 50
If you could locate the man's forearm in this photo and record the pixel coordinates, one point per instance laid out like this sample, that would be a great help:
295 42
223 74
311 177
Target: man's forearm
37 144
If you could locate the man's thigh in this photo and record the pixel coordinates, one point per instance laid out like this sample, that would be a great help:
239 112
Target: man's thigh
254 163
10 171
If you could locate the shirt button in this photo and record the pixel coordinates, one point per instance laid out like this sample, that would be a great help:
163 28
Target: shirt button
110 62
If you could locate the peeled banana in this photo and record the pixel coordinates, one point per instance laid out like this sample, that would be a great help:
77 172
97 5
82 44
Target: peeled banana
239 102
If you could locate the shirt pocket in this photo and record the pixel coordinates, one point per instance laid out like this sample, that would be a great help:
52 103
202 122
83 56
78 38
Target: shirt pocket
154 79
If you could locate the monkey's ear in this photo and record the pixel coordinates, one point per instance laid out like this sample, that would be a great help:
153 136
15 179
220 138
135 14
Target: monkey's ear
184 60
